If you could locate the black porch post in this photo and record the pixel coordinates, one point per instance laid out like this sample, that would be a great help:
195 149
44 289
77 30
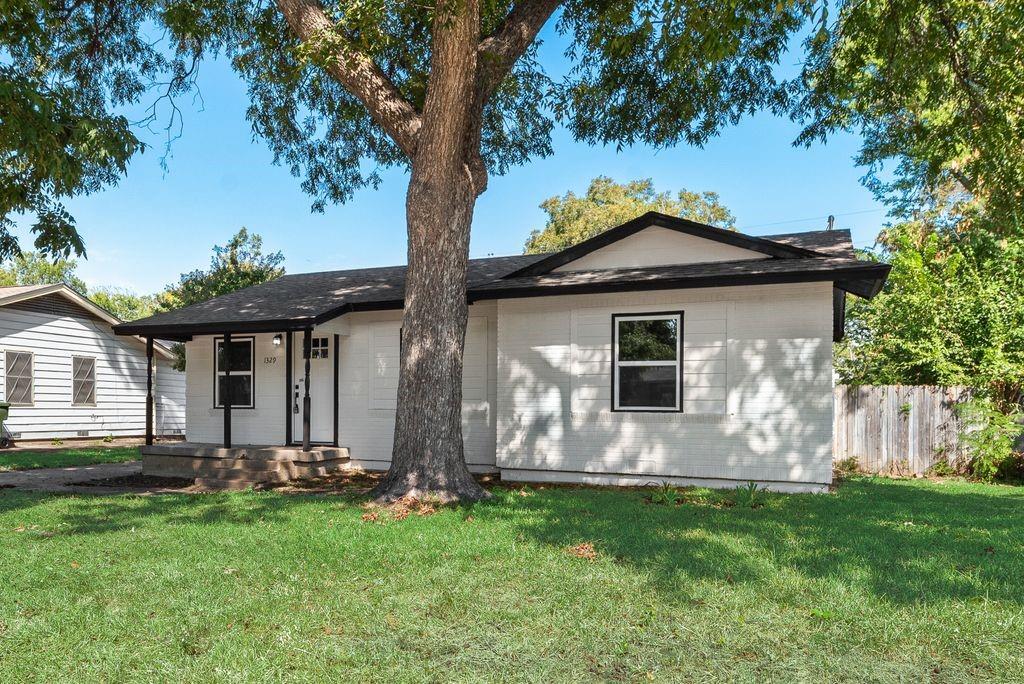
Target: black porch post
337 371
149 391
288 397
307 343
225 394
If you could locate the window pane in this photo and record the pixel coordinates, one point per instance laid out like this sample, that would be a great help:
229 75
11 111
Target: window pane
19 390
240 356
648 386
83 381
653 340
19 377
241 390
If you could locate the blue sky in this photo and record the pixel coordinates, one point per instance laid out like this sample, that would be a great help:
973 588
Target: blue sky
159 223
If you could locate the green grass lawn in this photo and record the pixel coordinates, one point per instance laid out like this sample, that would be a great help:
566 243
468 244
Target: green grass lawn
882 581
24 460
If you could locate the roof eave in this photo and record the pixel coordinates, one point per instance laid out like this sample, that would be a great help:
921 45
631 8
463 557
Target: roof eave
842 280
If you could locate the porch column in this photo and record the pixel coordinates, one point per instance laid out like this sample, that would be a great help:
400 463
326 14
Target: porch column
225 395
288 389
337 372
307 344
149 391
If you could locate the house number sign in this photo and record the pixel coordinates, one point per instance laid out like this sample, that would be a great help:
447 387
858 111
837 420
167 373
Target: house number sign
269 360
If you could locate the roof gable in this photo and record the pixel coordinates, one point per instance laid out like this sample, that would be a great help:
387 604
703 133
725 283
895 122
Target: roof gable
746 243
61 300
659 246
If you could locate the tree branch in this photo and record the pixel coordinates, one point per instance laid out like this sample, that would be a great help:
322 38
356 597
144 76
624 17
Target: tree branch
499 51
356 73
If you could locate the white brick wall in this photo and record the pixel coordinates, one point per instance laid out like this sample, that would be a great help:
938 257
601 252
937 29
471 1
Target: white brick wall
757 386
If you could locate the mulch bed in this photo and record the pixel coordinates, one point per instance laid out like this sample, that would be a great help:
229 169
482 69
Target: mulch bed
138 481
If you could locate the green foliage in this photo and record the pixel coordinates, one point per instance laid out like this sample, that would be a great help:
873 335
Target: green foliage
951 313
639 71
68 71
666 494
34 268
239 264
124 304
748 496
990 434
934 88
606 204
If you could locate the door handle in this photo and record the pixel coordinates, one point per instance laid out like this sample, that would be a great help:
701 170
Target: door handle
296 407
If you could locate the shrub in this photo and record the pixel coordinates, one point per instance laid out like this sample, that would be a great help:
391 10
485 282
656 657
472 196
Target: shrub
989 435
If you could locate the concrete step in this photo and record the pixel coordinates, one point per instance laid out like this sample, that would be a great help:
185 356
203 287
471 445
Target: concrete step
250 475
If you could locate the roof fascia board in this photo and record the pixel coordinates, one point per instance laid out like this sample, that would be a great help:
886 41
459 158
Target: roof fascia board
843 281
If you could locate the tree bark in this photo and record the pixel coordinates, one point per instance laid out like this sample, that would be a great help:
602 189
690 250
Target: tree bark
427 459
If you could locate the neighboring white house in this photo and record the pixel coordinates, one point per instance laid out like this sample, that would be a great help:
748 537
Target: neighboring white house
659 350
66 374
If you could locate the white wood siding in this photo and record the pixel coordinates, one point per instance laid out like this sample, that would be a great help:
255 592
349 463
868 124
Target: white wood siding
757 387
120 408
657 246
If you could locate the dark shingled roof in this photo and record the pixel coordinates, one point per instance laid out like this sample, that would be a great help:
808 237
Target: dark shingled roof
297 301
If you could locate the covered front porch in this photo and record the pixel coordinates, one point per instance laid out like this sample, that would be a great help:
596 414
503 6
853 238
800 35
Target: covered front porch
219 467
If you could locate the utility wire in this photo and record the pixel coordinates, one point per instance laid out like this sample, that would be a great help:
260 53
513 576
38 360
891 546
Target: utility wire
811 218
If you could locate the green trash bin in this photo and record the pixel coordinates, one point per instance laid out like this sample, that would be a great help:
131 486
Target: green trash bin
5 408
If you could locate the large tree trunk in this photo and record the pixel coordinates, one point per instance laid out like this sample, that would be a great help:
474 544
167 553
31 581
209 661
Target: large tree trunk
427 458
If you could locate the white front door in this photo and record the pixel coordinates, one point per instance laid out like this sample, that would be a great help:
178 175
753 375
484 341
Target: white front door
321 389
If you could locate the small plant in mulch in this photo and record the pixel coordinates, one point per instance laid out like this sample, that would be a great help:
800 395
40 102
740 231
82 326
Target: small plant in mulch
586 551
665 494
748 496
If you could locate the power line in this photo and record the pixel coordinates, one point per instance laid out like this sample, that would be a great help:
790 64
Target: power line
811 218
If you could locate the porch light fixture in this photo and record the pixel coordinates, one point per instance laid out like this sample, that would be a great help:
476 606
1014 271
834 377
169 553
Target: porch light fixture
277 340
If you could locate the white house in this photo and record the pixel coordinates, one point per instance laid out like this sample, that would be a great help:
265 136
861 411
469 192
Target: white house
659 350
67 375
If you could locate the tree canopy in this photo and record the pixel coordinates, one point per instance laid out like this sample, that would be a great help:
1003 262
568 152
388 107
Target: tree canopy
34 268
606 204
238 264
69 69
934 89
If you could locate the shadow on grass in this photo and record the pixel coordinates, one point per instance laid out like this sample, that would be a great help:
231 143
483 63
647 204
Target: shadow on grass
904 542
898 541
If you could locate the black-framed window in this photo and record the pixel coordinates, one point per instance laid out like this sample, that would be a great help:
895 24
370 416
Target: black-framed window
239 357
647 362
83 381
318 348
18 368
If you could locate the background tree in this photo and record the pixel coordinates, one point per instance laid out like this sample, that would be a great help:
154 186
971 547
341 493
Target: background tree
573 219
238 264
123 303
934 89
69 68
33 268
453 92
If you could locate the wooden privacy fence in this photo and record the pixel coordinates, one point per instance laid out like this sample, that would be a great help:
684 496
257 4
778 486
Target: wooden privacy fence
897 428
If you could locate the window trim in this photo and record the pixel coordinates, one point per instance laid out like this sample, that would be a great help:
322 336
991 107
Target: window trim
31 377
251 372
643 316
94 383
